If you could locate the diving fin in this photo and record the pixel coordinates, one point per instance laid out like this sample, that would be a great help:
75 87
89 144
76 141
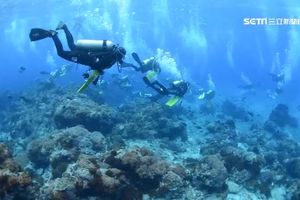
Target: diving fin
174 100
137 58
91 79
39 34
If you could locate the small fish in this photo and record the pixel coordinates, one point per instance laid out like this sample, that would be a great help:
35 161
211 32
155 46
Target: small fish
250 113
44 73
25 99
22 69
246 87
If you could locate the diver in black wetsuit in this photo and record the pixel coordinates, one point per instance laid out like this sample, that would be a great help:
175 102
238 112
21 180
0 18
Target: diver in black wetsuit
146 65
98 59
177 88
157 86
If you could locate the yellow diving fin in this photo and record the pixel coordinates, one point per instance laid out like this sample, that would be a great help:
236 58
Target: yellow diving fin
151 75
174 100
94 75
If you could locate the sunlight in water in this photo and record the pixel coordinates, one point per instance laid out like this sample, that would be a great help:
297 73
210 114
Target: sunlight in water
168 63
194 38
16 34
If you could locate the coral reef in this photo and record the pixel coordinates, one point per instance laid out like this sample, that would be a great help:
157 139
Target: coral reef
92 116
211 173
148 172
293 167
281 117
63 146
68 146
235 111
14 181
240 160
144 120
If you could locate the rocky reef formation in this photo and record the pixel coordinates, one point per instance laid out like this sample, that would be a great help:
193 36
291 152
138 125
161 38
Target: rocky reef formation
210 173
137 120
62 147
13 180
147 172
234 111
79 168
73 147
281 117
144 120
92 116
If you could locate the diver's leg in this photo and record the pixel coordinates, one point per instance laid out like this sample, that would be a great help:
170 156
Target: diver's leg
160 87
68 55
69 37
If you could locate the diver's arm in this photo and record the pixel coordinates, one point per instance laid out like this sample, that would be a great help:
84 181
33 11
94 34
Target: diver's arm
125 65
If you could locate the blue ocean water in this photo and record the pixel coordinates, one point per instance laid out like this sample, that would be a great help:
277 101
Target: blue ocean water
205 42
205 37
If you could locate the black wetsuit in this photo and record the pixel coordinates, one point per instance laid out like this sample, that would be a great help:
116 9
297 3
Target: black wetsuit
157 86
96 60
178 89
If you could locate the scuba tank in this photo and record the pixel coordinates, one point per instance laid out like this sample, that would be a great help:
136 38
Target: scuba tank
95 45
151 64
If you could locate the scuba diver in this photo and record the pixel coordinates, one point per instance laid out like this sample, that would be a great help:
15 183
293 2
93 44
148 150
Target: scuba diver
146 65
97 54
279 79
177 88
206 94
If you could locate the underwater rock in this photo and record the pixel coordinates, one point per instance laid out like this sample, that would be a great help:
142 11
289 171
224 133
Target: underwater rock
34 117
233 187
171 181
14 181
272 128
88 177
281 117
294 190
211 173
232 110
147 172
293 167
150 121
239 159
223 134
125 174
171 129
288 147
60 160
37 153
265 181
83 111
226 127
62 147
